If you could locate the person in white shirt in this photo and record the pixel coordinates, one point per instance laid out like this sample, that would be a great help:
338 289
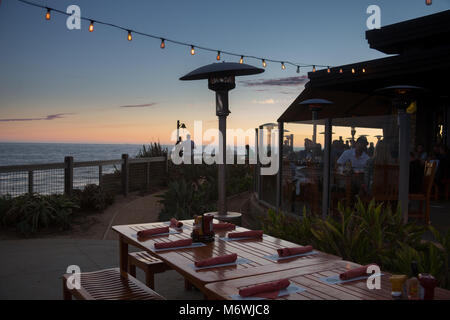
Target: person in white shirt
357 155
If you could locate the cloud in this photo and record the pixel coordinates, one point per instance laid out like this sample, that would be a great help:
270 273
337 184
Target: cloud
279 82
139 105
267 101
49 117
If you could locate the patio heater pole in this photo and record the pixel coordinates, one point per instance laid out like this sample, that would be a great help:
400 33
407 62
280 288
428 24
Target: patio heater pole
222 112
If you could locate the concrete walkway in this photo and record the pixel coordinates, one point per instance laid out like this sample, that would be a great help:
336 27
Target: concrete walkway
31 269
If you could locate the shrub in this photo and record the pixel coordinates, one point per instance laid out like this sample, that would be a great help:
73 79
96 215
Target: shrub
31 212
368 234
153 150
94 198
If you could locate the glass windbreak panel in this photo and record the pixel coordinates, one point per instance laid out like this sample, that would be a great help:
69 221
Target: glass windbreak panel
364 160
302 167
268 182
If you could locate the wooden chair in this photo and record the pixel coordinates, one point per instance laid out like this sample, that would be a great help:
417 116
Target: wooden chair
385 182
147 263
108 284
425 195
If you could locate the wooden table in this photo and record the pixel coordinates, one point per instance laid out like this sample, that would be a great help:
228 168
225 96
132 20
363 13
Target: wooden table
182 260
309 278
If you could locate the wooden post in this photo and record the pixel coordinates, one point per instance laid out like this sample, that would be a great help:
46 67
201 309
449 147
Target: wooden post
403 183
147 180
30 182
125 174
100 173
326 169
280 164
68 175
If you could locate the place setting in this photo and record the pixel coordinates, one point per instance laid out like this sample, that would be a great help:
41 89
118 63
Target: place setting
291 253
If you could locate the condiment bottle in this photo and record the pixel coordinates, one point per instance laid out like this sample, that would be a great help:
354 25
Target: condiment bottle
428 282
413 282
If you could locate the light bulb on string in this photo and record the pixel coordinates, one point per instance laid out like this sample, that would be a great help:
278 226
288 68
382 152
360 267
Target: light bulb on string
163 44
192 50
241 61
218 55
353 70
328 70
264 63
48 14
130 37
283 66
298 69
364 70
91 26
340 70
314 69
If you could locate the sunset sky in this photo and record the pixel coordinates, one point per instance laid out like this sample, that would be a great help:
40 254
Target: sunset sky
58 85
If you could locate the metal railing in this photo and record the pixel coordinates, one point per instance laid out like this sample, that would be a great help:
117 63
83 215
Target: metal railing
118 175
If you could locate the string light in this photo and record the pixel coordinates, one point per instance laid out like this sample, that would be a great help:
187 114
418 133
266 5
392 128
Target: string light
353 70
328 70
364 70
340 70
428 2
163 40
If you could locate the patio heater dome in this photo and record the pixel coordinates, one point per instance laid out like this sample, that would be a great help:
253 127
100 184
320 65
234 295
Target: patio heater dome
315 104
222 69
401 95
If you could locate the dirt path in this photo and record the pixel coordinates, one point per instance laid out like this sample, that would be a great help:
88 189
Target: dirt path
141 210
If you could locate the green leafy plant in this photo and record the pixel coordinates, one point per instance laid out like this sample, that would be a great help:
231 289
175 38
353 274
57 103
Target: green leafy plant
152 150
94 198
32 212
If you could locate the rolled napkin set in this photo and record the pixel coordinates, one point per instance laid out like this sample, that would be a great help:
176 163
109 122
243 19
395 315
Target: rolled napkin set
268 290
356 272
286 252
174 223
223 226
229 258
151 232
246 234
173 244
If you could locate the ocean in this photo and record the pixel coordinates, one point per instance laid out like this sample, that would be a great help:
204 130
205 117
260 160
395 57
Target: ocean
52 181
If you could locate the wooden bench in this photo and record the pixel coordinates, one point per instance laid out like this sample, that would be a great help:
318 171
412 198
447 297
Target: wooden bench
108 284
150 265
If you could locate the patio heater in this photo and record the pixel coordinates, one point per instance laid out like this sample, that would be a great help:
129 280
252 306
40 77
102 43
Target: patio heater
315 105
401 96
221 79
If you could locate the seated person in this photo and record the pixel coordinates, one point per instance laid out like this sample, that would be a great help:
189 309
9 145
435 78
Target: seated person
357 156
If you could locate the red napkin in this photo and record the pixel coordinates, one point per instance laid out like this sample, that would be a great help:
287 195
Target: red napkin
150 232
250 234
355 273
268 290
174 223
217 260
223 226
173 244
286 252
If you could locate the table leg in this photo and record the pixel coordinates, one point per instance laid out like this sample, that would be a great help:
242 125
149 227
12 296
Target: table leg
123 255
